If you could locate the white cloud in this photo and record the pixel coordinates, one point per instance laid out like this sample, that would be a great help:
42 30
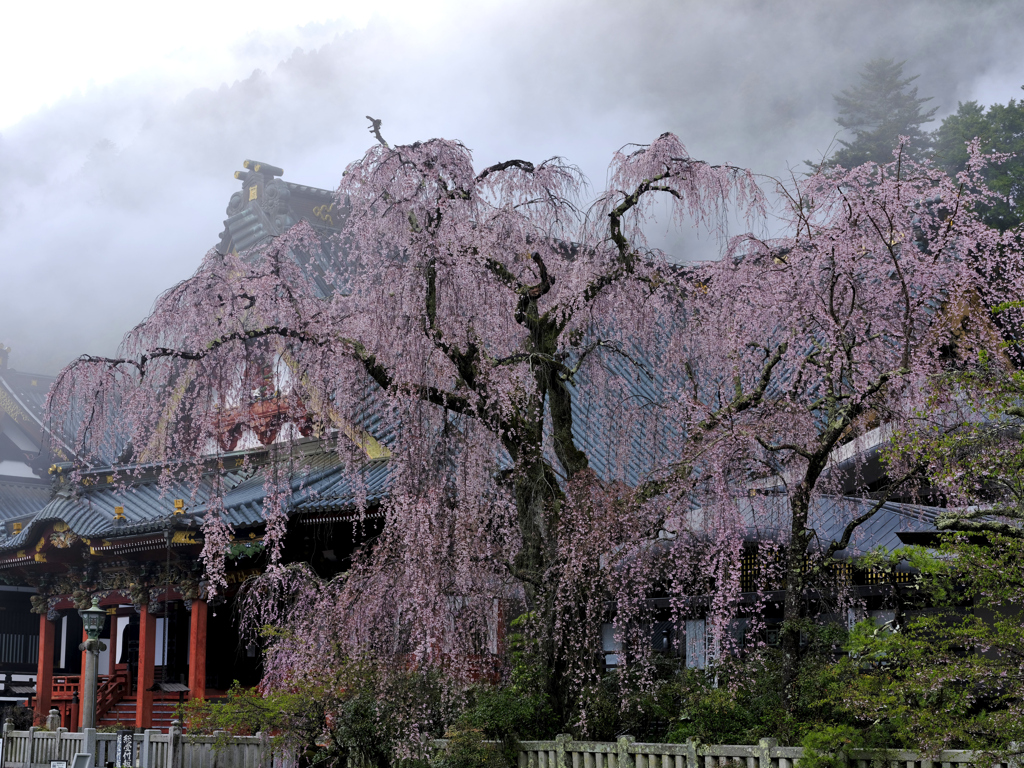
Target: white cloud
124 127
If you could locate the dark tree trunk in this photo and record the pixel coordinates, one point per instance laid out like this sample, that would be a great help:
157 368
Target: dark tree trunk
796 567
796 577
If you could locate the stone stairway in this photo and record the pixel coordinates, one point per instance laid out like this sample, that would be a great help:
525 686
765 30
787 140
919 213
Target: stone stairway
123 713
164 711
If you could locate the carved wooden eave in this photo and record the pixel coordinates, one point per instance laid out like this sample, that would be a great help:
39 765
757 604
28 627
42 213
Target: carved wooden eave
341 516
132 544
20 558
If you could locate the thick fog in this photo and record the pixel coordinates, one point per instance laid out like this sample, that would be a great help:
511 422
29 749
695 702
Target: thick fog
111 194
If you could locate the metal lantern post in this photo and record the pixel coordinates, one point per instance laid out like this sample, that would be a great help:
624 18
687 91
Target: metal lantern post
92 619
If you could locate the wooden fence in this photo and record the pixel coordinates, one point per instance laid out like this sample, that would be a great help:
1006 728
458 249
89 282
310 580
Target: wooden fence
564 752
35 748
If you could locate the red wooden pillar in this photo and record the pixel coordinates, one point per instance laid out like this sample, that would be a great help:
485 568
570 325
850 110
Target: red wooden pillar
147 665
197 650
44 671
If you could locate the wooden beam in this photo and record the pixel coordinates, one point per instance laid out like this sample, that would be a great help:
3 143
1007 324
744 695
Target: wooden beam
44 670
147 668
197 650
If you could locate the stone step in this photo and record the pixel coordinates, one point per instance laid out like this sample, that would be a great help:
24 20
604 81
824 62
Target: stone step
164 713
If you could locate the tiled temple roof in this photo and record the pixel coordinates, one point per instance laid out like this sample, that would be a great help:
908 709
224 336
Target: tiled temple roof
25 395
767 518
320 483
22 497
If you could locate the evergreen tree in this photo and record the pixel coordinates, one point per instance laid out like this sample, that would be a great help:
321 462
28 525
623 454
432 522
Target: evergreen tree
922 686
878 111
1000 129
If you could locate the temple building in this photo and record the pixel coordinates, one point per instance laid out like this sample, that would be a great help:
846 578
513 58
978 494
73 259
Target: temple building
133 539
138 548
132 535
25 489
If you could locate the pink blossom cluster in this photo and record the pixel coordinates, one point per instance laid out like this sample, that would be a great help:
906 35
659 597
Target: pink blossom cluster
575 421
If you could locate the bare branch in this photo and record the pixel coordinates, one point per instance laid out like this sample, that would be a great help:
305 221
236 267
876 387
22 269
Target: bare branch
375 130
522 165
853 525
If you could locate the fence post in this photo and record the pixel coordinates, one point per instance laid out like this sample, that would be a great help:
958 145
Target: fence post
60 743
691 754
561 740
217 754
764 752
147 748
31 757
174 745
90 744
622 758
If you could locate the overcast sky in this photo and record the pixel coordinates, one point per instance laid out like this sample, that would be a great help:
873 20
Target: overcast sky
121 124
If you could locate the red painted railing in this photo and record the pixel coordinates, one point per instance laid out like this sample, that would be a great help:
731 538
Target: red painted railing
110 691
64 686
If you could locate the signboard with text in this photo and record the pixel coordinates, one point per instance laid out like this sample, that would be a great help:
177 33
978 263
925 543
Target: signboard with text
124 755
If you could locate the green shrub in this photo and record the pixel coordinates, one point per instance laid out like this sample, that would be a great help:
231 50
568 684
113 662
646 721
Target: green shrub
500 713
361 711
829 747
469 749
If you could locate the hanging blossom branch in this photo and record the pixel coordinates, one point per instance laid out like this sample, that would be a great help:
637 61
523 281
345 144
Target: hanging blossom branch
887 272
476 316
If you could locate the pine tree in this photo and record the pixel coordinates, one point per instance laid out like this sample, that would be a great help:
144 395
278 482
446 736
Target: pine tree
1000 129
878 111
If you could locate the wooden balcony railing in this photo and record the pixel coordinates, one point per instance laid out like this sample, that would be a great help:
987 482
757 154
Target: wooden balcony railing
110 691
64 686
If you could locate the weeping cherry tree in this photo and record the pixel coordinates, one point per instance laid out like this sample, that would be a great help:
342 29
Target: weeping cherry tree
574 418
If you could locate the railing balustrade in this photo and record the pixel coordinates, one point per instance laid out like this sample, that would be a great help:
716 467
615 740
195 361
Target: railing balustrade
35 748
564 752
110 691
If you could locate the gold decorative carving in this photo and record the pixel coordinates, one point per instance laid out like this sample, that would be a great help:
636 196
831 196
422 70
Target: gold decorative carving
323 212
132 580
92 546
14 410
63 539
237 577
